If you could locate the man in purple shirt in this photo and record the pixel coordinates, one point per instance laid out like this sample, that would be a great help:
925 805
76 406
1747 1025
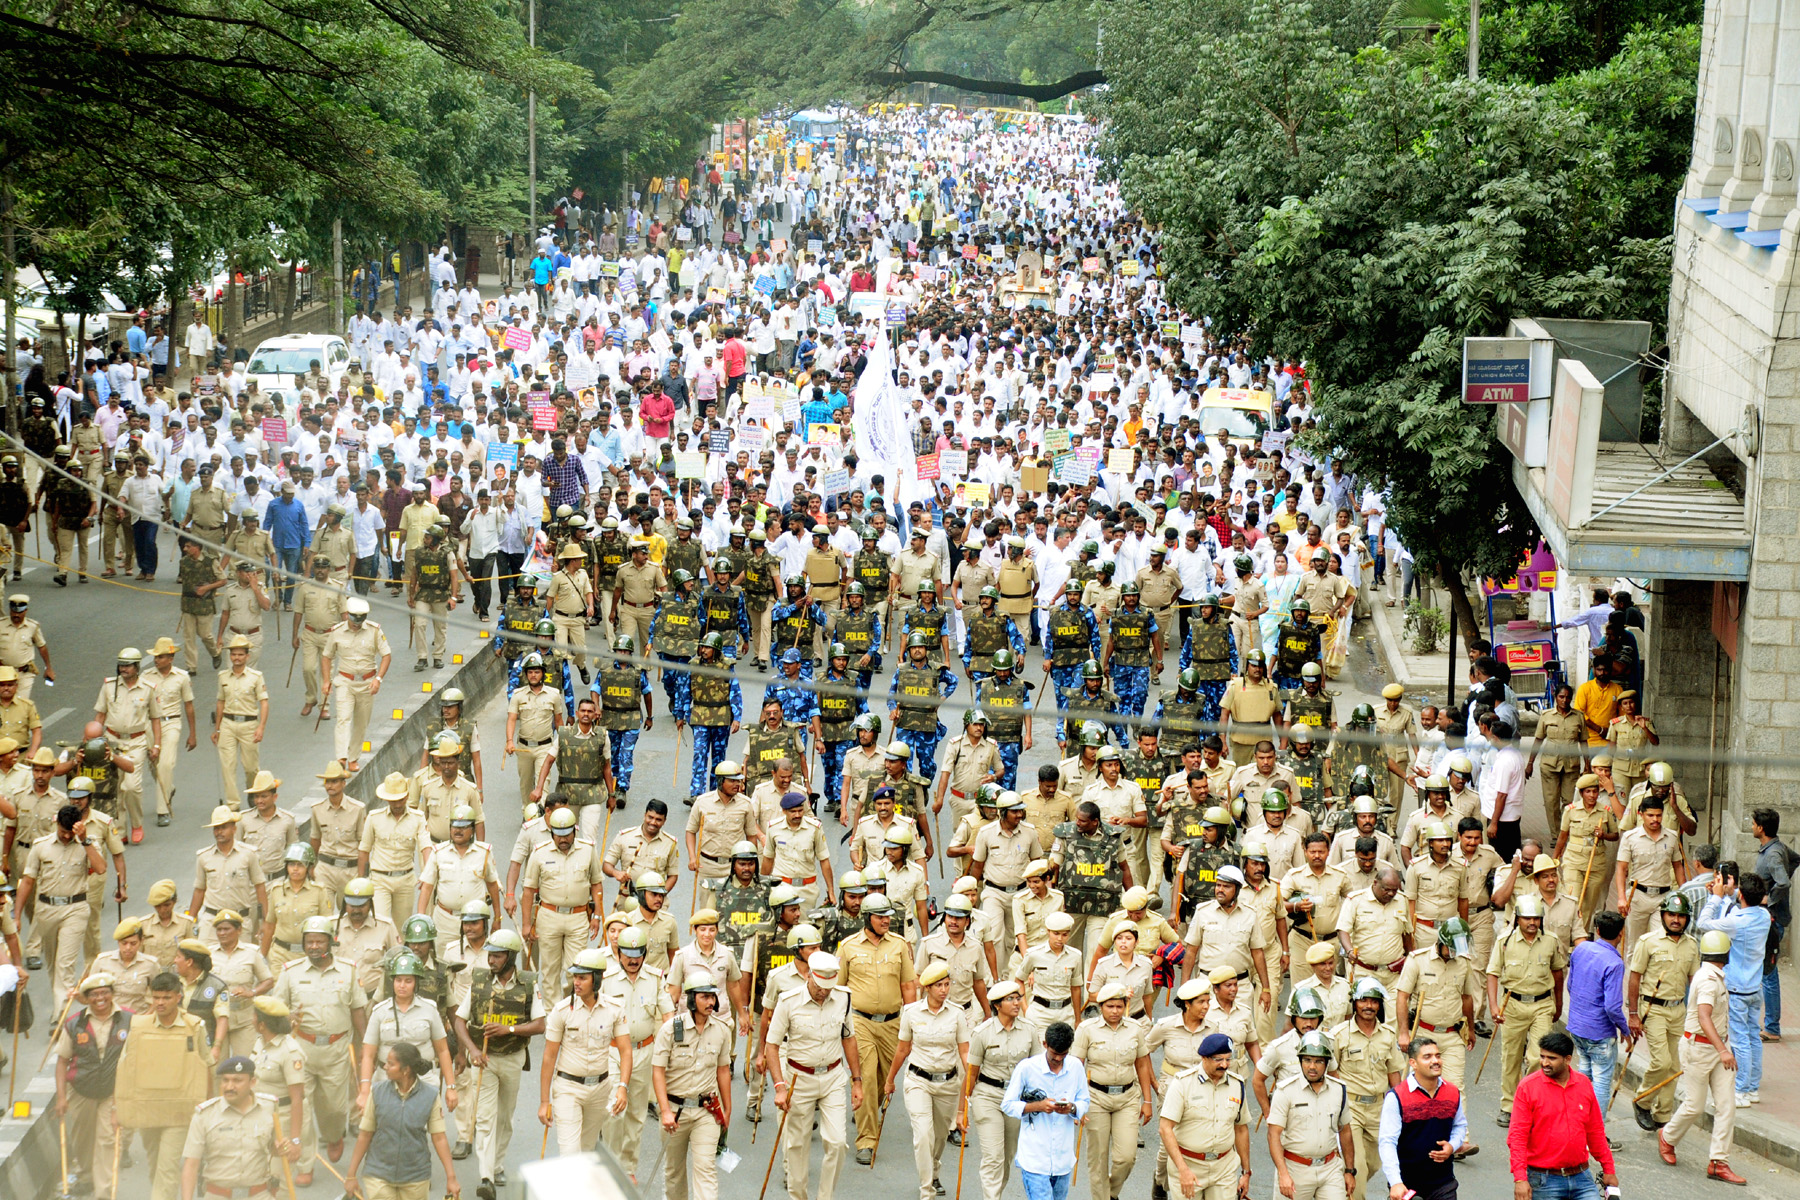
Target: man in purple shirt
565 478
1597 1002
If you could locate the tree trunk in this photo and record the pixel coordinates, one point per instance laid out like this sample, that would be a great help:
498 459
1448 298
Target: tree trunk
1460 608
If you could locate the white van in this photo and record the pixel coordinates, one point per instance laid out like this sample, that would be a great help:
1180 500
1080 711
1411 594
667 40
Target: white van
280 364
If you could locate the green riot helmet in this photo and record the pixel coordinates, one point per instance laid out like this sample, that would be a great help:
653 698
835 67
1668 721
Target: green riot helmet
405 964
420 928
1128 588
855 589
545 628
1188 680
1274 800
1092 737
713 641
1256 657
795 582
531 662
624 644
974 715
988 795
721 565
1360 783
1090 549
1314 1045
1301 608
1362 715
928 587
1305 1002
1005 660
95 750
300 853
989 593
680 577
868 721
838 649
1091 670
1454 933
1677 902
918 641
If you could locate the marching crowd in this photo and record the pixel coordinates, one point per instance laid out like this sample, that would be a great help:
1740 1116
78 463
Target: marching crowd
675 466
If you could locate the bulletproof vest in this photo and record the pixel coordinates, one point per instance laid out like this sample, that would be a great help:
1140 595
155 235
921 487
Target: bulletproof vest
987 634
929 622
1295 646
795 631
520 619
1184 825
677 629
741 909
105 775
1131 638
494 1003
836 711
1148 773
1083 705
621 698
856 630
823 571
433 980
1069 637
721 605
771 952
1081 574
711 696
607 554
917 699
94 1067
165 1077
764 748
759 575
1204 862
433 567
1311 710
581 763
1093 872
1004 703
1181 725
1211 641
1309 777
870 568
465 759
205 1002
834 925
684 556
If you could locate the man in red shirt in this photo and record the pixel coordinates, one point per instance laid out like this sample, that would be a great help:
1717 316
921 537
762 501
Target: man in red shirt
734 356
657 412
1556 1126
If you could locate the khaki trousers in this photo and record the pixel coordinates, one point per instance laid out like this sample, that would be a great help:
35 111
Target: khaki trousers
560 937
692 1155
1365 1132
60 929
578 1111
634 620
1456 1055
1599 882
354 700
1525 1024
164 1144
429 617
931 1110
67 542
395 895
571 631
876 1044
131 783
1703 1073
1662 1035
91 1138
115 535
1112 1131
237 747
170 747
1558 788
1637 921
310 645
496 1097
1320 1181
808 1096
1218 1178
328 1097
625 1133
196 632
1481 947
381 1189
530 759
761 629
999 1138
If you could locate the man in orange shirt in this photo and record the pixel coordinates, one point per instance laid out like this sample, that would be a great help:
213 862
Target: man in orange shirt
1597 700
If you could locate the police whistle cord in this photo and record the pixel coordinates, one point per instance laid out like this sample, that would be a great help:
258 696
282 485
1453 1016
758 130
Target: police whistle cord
776 1150
1499 1029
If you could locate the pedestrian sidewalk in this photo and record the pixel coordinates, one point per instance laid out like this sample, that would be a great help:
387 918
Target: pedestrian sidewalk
1770 1128
1415 672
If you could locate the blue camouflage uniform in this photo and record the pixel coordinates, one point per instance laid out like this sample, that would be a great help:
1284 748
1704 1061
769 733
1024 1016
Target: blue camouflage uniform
799 704
1067 677
1014 639
832 754
924 743
1130 681
1211 690
710 740
1011 745
624 741
788 609
675 682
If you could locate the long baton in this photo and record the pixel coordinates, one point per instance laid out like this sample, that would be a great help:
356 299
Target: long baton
773 1151
13 1081
1498 1018
1643 1096
963 1147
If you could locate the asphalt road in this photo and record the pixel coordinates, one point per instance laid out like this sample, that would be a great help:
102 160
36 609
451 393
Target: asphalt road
296 753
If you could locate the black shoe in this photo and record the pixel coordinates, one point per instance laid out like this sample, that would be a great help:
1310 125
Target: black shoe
955 1138
485 1190
499 1174
1504 1120
1158 1192
462 1151
1646 1120
1483 1029
419 666
437 664
162 820
585 678
937 1187
217 659
865 1158
62 581
33 963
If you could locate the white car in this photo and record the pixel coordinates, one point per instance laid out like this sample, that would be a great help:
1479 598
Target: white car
280 364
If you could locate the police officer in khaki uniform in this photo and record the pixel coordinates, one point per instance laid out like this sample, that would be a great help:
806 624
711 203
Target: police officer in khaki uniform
337 825
237 1135
878 970
22 644
505 1007
1002 851
691 1075
1310 1139
640 582
242 603
932 1051
571 601
1397 722
1116 1052
1525 990
173 692
637 989
318 607
130 967
1651 864
1434 886
291 901
1437 993
1376 931
1225 933
246 975
996 1047
355 661
458 872
564 891
240 716
912 566
1052 976
388 854
227 875
127 707
1370 1064
533 715
1205 1126
56 874
1663 964
441 790
809 1052
579 1090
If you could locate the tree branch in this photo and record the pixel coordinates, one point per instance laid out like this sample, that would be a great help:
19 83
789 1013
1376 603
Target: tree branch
995 87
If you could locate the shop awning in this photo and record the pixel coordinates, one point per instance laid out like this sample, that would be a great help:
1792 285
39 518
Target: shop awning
1688 525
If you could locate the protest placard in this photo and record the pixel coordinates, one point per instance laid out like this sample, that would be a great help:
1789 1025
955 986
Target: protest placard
750 438
719 441
1056 440
896 315
927 466
516 338
834 483
690 464
504 454
1171 329
274 431
977 494
765 284
790 407
760 410
715 295
1034 478
206 385
1121 460
815 245
823 433
1090 265
543 416
953 464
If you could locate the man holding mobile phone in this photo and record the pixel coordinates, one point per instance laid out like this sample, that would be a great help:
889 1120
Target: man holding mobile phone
1047 1123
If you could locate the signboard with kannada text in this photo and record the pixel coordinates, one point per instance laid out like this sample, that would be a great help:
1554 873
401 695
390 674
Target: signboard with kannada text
1496 370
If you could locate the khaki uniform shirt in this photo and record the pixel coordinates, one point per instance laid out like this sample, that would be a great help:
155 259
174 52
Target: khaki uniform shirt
569 593
1434 890
1437 987
536 710
1180 1045
339 828
566 879
126 709
1135 975
640 586
1005 855
935 1036
243 694
394 843
692 1066
798 851
243 967
437 800
1651 861
1029 912
967 963
584 1034
1237 1023
1310 1115
969 764
1413 833
871 837
173 692
643 1002
1049 975
1206 1113
243 612
1708 988
459 876
19 642
364 949
1044 813
18 719
1343 849
160 940
269 836
1110 1052
320 605
1585 826
229 880
1666 965
288 909
1328 892
1365 1060
812 1032
1222 937
660 939
874 971
995 1051
726 823
633 853
1525 967
356 652
236 1147
1375 929
131 981
913 569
